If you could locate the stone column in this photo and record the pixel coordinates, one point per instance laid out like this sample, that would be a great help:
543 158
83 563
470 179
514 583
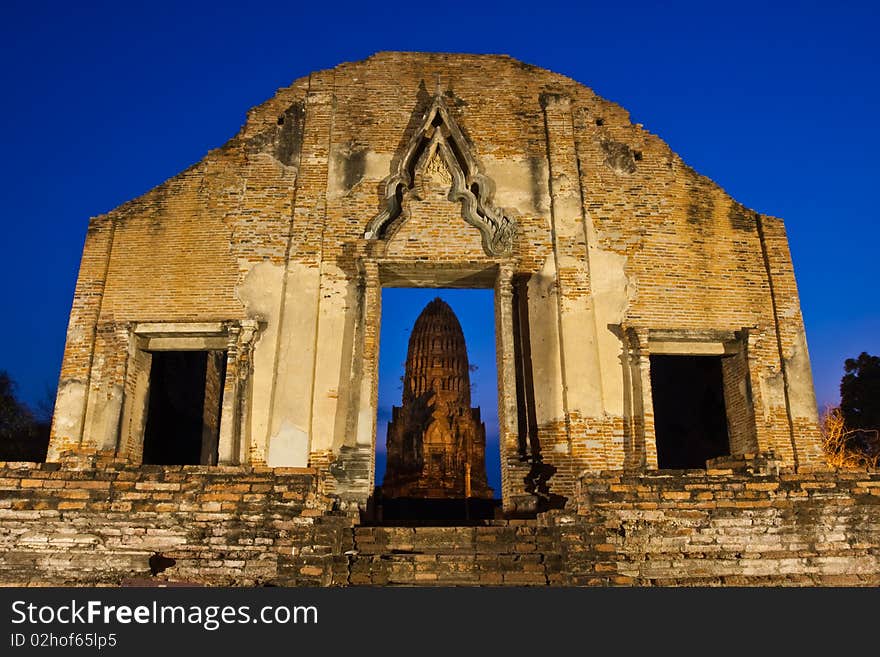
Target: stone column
233 439
644 444
334 343
739 399
288 439
512 487
244 398
766 393
352 464
368 396
137 398
228 447
581 376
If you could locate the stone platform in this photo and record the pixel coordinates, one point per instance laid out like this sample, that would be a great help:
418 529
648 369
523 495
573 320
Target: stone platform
111 524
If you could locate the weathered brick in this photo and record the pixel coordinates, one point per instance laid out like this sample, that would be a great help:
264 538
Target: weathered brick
281 212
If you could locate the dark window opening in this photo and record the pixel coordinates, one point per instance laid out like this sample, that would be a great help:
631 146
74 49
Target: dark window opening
690 421
183 413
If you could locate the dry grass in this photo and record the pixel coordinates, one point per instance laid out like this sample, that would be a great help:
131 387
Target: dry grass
848 448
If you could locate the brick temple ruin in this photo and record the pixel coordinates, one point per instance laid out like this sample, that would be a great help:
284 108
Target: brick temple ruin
218 394
436 442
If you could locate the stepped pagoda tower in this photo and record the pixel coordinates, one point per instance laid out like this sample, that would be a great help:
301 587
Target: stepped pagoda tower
436 441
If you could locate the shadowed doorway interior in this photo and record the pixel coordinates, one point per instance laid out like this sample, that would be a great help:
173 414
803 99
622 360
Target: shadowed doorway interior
690 419
183 412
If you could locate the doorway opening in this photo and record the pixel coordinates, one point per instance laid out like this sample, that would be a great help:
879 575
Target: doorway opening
438 457
690 419
183 412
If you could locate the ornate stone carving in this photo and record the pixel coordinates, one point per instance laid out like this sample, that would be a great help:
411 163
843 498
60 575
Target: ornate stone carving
436 170
441 137
245 345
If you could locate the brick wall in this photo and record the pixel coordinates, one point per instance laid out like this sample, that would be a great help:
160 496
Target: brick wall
724 528
738 402
222 525
615 232
214 377
749 525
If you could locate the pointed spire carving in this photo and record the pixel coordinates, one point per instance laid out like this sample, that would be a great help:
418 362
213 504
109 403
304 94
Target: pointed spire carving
441 137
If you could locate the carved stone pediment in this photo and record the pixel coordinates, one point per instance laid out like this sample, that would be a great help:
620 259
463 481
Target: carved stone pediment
440 139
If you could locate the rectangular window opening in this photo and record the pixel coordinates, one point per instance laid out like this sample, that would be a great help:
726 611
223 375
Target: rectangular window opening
690 419
183 411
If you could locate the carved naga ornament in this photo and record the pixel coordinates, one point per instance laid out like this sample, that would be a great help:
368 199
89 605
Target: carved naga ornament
440 136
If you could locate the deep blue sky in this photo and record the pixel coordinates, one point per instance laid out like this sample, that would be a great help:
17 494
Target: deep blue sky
778 105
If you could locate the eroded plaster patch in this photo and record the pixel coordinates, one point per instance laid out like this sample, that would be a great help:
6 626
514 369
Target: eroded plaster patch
772 392
258 291
613 293
514 182
543 327
288 447
800 380
69 408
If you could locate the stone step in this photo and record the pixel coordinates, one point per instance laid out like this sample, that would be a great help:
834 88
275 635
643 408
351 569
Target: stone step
533 569
499 554
453 540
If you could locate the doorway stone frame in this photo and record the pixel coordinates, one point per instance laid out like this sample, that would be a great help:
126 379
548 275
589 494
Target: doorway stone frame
641 342
235 338
378 272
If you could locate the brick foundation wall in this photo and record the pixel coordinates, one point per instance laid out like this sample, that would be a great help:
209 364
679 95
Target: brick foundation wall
724 528
101 524
221 525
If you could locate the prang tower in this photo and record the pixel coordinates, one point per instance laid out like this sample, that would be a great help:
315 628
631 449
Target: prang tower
436 442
